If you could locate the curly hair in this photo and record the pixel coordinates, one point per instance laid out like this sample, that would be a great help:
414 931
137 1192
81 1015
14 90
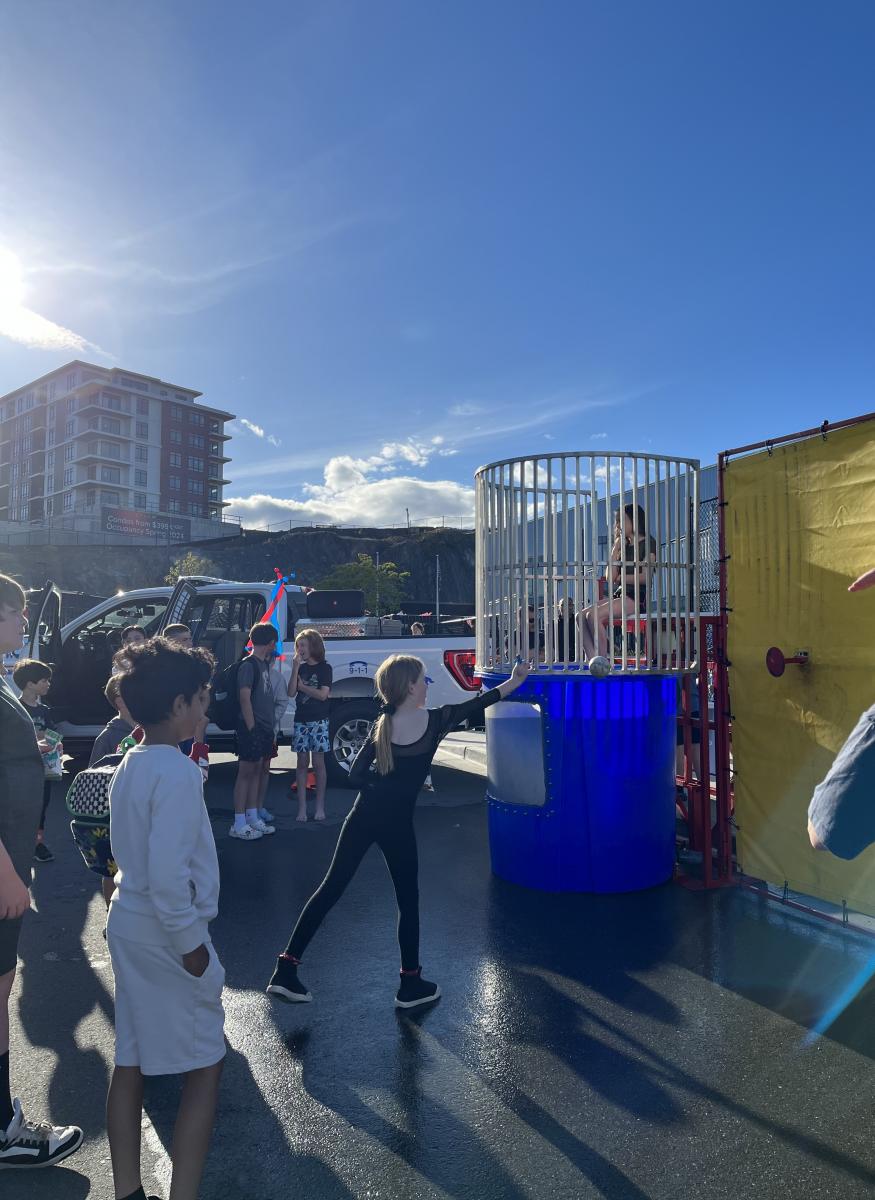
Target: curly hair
155 673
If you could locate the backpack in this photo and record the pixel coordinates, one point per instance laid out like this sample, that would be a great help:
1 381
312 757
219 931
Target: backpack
224 709
88 794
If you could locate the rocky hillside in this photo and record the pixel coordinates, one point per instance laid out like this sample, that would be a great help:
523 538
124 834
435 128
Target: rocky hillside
310 553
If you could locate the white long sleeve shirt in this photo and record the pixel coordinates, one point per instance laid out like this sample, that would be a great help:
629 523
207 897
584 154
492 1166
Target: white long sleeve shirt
167 885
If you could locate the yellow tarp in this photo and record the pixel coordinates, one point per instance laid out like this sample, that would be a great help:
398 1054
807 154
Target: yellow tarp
800 526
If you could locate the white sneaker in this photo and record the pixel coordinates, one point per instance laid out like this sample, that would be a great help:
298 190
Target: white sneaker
248 834
27 1144
261 827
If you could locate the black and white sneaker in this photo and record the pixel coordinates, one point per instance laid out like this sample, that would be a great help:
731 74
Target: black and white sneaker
285 984
26 1144
415 991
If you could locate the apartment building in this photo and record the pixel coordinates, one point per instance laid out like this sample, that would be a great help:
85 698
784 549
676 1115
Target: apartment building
106 443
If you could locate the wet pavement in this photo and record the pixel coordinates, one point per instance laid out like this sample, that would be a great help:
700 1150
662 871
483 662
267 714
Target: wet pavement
649 1045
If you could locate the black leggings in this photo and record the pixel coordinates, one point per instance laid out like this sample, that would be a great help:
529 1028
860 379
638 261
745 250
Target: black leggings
397 841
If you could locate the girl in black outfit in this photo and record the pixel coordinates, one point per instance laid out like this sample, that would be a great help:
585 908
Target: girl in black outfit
389 772
630 569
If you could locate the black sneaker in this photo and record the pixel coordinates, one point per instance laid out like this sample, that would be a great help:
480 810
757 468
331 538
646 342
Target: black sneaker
42 853
414 991
25 1144
285 983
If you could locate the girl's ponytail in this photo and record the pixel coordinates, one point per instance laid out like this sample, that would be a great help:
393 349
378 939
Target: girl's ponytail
394 679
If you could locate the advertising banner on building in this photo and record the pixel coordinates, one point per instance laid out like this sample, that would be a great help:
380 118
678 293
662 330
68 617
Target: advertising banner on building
131 522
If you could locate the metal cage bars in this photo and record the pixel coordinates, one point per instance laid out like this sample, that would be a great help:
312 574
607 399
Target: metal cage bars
562 574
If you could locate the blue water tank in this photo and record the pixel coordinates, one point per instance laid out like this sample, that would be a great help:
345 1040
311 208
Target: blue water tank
581 787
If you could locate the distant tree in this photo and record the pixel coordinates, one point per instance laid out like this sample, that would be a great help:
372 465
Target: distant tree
190 564
384 586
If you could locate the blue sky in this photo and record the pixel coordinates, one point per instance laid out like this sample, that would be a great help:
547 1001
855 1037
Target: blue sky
404 239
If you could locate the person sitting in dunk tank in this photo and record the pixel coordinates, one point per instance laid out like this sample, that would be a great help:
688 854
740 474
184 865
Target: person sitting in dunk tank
630 566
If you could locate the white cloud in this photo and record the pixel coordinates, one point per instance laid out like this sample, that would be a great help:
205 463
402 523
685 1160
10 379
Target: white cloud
465 410
597 437
21 324
258 430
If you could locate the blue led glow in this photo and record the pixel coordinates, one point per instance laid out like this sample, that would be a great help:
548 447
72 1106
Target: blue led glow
609 747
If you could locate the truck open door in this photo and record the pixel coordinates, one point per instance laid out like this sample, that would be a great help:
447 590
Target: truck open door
178 606
44 626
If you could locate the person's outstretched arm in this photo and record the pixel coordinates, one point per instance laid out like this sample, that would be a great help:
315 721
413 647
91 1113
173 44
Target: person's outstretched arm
866 580
454 715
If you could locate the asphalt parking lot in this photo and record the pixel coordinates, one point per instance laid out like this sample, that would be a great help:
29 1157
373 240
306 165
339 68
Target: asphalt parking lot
647 1045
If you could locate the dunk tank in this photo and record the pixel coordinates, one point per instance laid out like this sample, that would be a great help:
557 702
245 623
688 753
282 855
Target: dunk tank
586 568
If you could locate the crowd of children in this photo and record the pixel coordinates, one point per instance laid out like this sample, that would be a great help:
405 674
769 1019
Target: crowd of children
155 850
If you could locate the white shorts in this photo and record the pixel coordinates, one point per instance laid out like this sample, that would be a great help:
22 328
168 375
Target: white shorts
167 1022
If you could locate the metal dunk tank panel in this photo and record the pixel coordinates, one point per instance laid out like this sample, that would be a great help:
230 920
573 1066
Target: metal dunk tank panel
799 527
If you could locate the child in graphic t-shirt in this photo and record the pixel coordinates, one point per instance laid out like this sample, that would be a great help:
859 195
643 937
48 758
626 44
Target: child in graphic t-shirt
33 679
310 682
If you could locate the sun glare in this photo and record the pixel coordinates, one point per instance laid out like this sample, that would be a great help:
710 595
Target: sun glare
20 323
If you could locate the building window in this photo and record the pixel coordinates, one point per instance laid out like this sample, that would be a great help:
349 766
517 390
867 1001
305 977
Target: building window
28 401
111 498
214 493
110 475
175 483
110 425
214 449
142 406
141 453
175 412
71 381
68 498
50 438
50 461
175 460
115 403
195 464
91 497
214 514
71 404
196 510
139 499
181 396
69 453
142 429
196 418
140 478
176 437
197 440
50 506
69 429
195 487
68 476
174 506
53 387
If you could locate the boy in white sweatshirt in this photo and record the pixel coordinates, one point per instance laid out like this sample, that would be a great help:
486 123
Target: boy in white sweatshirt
168 979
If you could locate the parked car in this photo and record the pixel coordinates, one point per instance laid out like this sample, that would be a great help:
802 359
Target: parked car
220 613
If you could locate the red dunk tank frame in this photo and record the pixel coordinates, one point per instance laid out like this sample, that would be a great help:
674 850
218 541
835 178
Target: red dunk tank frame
715 843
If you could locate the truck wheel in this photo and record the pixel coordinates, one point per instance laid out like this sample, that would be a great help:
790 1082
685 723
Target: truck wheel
348 729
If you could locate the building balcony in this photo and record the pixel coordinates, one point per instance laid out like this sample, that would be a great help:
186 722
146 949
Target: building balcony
120 454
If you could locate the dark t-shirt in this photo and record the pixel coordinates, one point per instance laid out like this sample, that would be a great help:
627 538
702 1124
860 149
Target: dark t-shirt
40 714
314 675
255 674
21 781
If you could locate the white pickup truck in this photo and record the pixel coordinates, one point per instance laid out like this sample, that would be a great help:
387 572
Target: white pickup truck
220 613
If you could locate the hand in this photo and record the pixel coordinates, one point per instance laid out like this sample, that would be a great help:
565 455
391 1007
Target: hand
520 672
865 581
14 896
44 746
297 658
196 961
